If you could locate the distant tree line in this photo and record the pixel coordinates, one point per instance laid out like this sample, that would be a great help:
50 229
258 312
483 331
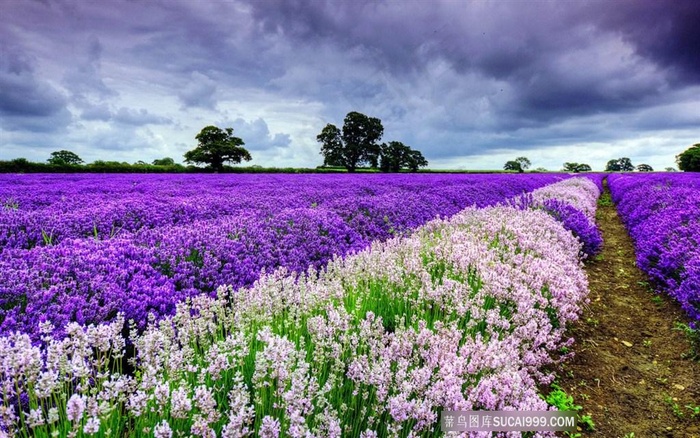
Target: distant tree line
356 146
624 164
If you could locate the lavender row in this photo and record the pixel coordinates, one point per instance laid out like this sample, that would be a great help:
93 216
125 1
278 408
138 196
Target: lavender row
463 314
39 210
572 202
662 214
291 221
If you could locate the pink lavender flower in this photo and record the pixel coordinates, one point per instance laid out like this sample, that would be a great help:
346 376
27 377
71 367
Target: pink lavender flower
75 407
137 403
92 426
270 427
200 427
162 430
180 403
35 418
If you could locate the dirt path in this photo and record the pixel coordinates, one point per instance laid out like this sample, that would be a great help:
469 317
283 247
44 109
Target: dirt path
628 372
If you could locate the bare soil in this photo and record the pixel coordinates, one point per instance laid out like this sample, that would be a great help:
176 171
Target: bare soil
630 371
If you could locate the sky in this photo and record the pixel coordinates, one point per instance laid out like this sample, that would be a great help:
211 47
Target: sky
471 84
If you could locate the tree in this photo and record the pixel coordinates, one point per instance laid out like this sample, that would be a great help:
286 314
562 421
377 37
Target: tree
623 164
395 156
644 168
216 147
513 165
524 163
576 167
64 158
520 164
612 166
670 169
416 160
689 160
332 148
626 164
167 161
356 145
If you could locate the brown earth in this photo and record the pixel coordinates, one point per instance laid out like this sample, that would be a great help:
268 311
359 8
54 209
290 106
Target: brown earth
630 372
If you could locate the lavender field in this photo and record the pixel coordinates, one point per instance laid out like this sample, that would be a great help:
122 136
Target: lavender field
286 305
83 248
662 213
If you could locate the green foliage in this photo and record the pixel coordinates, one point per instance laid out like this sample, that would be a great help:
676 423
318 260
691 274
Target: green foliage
64 158
689 160
612 166
561 400
519 165
576 167
644 168
677 411
564 402
623 164
216 147
395 156
167 161
692 332
514 166
356 145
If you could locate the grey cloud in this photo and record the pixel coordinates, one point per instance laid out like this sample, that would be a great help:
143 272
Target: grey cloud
200 91
513 42
126 116
99 112
139 117
449 78
27 101
257 136
120 140
84 79
666 32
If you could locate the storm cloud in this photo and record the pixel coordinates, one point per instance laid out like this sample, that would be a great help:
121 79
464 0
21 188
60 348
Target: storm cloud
469 83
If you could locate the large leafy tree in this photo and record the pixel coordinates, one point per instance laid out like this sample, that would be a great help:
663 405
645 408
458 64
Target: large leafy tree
356 145
689 160
216 147
644 168
395 156
64 158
